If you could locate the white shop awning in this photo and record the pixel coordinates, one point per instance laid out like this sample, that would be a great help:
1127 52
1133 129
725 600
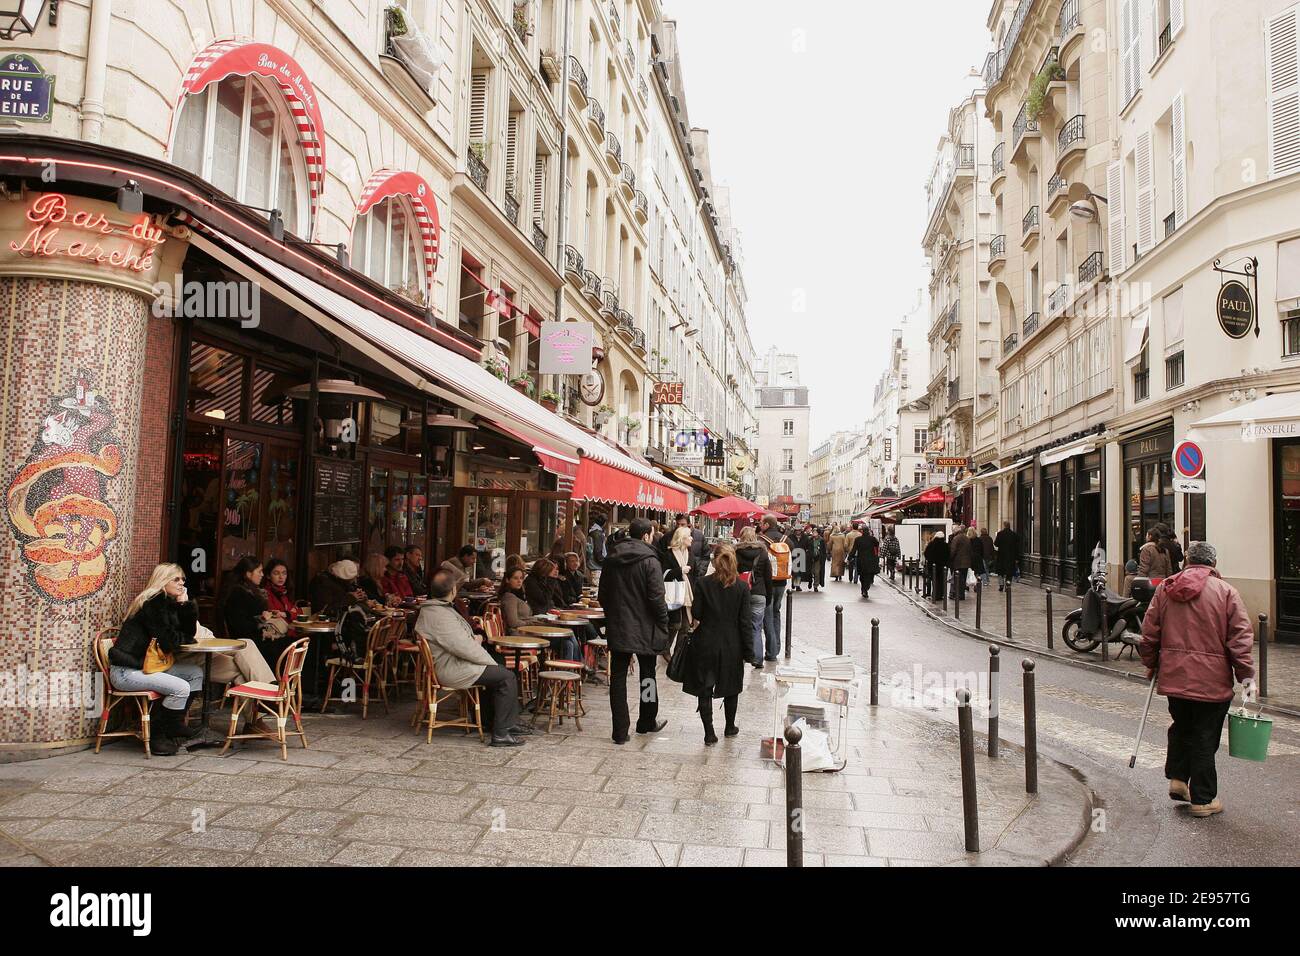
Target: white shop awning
1014 466
1083 446
1273 416
1136 336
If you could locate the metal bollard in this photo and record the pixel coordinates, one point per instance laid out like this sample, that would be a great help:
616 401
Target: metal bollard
944 585
956 595
979 603
1262 677
793 797
789 618
839 629
1049 619
1105 631
995 669
875 661
969 805
1031 729
1008 611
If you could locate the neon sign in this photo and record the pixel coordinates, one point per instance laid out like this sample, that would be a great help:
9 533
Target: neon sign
51 213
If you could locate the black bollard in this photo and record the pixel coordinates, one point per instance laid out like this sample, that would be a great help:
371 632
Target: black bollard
995 669
793 798
1008 611
944 585
1105 630
969 805
1262 677
789 619
875 661
979 603
956 595
1049 619
1031 729
839 629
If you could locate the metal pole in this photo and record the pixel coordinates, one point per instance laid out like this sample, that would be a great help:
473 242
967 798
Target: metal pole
1105 629
1263 655
789 617
793 797
944 585
1031 729
839 629
995 669
956 594
875 661
1008 612
1049 619
979 603
969 805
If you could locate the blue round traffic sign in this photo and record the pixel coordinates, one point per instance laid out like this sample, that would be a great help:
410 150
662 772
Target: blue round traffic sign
1189 460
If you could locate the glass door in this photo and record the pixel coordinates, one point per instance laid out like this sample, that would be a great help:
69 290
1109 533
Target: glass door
1286 530
485 528
241 509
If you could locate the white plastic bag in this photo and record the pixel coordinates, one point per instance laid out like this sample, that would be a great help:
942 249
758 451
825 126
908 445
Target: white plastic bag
675 595
816 747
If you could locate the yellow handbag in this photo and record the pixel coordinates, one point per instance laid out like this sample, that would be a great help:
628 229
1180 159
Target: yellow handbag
155 660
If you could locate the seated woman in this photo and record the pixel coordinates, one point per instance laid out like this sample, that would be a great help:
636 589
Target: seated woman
376 567
573 579
515 610
158 622
515 561
275 575
542 588
337 594
247 613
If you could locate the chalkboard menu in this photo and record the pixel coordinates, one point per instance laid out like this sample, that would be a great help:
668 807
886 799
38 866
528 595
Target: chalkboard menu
439 493
336 502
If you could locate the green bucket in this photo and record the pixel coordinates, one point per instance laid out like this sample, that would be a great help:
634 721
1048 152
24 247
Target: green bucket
1248 735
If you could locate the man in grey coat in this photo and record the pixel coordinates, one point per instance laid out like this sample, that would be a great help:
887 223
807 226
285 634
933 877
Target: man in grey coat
461 661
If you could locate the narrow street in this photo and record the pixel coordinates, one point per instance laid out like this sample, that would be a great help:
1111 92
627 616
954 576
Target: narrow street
1086 720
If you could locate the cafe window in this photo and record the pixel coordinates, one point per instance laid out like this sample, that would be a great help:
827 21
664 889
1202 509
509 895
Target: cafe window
216 383
269 405
1051 523
1151 499
386 246
1026 503
238 135
397 508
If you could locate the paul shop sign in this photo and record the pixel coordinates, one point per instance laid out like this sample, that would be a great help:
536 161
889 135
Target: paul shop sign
62 229
26 91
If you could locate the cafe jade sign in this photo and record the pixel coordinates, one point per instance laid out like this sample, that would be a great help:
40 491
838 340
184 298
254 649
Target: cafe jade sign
565 348
26 91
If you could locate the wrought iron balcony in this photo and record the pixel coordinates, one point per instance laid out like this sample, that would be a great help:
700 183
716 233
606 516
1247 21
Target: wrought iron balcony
1010 343
596 114
629 54
608 296
573 261
1030 222
1054 186
1091 269
623 322
998 248
613 147
1059 299
1171 223
478 170
1030 325
628 178
1069 21
966 156
999 159
578 76
1022 125
511 207
951 318
1166 38
954 392
539 238
641 205
591 284
613 17
638 341
642 89
1072 132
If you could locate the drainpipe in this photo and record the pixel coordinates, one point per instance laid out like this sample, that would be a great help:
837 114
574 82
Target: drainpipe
92 102
562 165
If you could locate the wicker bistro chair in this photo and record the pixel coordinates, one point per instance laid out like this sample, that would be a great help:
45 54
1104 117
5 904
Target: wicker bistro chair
570 689
280 701
493 626
404 657
112 697
433 694
371 670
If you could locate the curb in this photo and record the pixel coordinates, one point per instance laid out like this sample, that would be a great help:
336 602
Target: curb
990 638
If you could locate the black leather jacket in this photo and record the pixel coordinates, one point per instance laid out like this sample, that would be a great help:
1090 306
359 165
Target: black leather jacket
161 618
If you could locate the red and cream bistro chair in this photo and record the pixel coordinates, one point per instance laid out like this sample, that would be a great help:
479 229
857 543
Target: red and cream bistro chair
432 694
112 697
372 670
279 701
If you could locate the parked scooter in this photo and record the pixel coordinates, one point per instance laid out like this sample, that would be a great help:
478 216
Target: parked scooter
1123 615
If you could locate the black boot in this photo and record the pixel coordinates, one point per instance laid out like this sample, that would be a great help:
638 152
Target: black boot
162 732
706 718
729 709
185 733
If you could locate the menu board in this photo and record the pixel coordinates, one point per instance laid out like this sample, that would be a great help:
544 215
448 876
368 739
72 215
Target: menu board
336 502
439 493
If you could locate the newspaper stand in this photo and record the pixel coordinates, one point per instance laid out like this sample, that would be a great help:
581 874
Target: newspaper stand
823 703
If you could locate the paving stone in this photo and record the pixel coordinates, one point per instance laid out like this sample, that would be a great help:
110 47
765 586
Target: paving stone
565 781
313 849
915 846
157 783
712 856
183 811
320 796
91 778
835 859
367 854
299 774
254 817
735 811
732 793
436 858
892 803
361 746
237 789
566 760
651 787
537 845
828 782
139 835
579 798
255 751
499 791
610 851
18 828
634 803
362 762
312 822
599 821
517 815
185 856
217 838
399 831
823 838
706 830
768 858
437 806
100 854
112 807
40 804
725 773
206 764
69 831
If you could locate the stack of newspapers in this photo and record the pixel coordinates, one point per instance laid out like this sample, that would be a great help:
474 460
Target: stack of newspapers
835 667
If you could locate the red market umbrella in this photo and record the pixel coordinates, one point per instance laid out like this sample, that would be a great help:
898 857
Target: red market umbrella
730 508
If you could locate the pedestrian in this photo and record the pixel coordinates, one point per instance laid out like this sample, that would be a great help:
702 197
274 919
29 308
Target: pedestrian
596 544
867 551
719 646
937 557
755 568
1007 561
1197 636
1172 548
892 551
817 557
839 548
988 552
850 540
977 565
1153 559
636 625
960 556
678 565
777 543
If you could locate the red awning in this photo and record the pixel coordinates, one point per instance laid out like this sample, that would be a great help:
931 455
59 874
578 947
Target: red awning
550 459
599 482
386 183
243 57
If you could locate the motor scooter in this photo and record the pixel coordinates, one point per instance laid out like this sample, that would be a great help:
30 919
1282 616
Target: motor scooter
1123 615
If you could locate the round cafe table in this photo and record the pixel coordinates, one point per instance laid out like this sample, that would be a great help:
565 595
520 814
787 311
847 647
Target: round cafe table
207 647
518 643
311 629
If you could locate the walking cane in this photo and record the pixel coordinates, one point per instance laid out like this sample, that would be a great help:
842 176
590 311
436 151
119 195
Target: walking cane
1132 761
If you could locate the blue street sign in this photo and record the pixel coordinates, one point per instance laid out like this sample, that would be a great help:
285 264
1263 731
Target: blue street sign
26 91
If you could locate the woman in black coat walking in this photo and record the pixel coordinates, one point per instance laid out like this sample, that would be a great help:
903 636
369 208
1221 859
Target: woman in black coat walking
1008 558
722 643
867 552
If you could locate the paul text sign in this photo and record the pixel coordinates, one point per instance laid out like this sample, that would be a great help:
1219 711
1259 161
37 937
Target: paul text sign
1236 309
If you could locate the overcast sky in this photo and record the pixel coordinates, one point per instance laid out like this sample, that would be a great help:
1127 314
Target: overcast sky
823 118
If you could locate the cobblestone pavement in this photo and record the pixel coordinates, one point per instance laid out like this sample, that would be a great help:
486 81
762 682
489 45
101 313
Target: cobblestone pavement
374 793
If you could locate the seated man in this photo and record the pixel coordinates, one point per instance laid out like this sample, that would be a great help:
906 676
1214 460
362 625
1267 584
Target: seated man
462 662
395 580
461 567
414 570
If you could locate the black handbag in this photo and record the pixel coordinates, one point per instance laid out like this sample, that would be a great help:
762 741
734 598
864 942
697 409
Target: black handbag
677 663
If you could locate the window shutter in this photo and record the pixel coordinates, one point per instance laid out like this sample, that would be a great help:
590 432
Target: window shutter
1178 131
512 143
1115 232
1175 17
1146 193
539 190
1125 49
1154 26
1283 94
478 107
1135 48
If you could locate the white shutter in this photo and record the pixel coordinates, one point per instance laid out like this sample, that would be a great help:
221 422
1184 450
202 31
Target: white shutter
1175 18
1281 48
1144 165
539 190
478 84
512 144
1115 233
1178 131
1135 47
1154 26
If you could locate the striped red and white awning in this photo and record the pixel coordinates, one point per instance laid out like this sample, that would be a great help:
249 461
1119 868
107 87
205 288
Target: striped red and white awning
386 183
241 56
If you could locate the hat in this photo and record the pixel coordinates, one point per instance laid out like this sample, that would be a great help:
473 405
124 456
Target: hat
344 570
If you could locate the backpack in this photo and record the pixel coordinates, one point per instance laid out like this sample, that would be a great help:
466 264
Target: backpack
779 553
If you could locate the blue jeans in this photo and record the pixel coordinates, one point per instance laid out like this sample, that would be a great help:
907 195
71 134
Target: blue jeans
758 614
174 684
772 618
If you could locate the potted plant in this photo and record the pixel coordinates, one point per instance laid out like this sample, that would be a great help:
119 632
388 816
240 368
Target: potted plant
479 148
523 384
550 400
602 415
631 424
497 367
1037 98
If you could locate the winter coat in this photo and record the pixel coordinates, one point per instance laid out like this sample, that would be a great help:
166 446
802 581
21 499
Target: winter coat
754 559
1175 555
572 583
242 612
723 643
632 596
596 547
1153 563
867 552
515 610
1198 634
987 549
161 618
890 547
839 551
1008 547
419 584
960 551
937 553
544 594
977 563
458 658
331 595
396 582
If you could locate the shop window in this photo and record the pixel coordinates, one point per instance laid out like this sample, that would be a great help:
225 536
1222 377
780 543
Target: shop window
216 383
1067 504
1174 370
269 405
1051 523
386 246
1291 333
1141 378
238 135
1196 517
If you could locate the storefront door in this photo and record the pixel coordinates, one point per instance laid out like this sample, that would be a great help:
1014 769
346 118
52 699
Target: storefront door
1148 487
1286 530
503 522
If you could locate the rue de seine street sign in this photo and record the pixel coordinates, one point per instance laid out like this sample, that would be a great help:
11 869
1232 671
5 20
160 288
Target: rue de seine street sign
26 91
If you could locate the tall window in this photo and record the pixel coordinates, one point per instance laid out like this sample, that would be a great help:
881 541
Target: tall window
386 247
787 459
787 427
920 438
1291 332
787 487
1142 377
237 135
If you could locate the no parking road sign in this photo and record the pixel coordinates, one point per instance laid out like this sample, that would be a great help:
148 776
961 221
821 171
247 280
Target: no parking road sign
1189 460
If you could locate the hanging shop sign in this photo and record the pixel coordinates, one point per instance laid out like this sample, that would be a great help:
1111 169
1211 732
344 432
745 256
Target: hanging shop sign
26 91
565 348
668 393
592 389
439 493
1236 303
60 229
715 455
952 462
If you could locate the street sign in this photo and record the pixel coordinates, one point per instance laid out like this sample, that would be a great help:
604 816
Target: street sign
952 463
668 393
1189 460
1189 486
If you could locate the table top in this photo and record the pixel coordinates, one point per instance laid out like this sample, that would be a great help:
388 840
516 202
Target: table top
576 622
581 612
212 645
521 641
314 627
540 630
477 595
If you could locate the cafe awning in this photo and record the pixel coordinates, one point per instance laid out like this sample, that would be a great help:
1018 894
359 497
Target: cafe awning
997 473
699 484
1082 446
1273 416
550 459
441 372
600 482
926 496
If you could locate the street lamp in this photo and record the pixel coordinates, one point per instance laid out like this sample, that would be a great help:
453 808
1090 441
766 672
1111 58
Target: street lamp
1086 208
18 17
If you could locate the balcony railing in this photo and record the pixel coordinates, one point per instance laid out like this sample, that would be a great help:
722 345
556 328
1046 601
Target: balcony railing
629 54
628 178
1022 125
642 89
1166 38
1009 343
1072 132
512 209
998 59
1030 222
951 318
966 156
1091 269
954 392
638 340
1058 300
591 284
613 16
578 76
1030 325
1069 21
608 296
1054 186
596 113
613 147
478 170
539 238
623 322
1171 223
573 261
998 247
999 159
641 205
